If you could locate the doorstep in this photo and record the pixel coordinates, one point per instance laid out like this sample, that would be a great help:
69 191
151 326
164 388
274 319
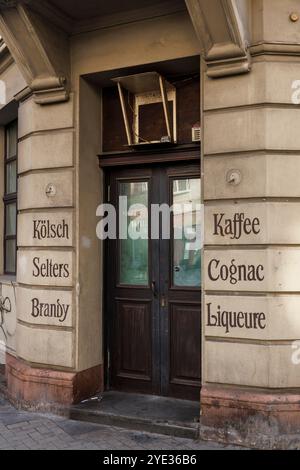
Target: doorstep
147 413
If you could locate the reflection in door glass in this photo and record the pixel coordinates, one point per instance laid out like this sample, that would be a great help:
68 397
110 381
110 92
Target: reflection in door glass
134 250
186 223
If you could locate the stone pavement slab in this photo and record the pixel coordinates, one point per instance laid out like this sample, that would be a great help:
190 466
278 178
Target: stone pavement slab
21 430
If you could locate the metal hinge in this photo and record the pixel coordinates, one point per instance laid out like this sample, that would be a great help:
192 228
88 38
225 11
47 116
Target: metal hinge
108 193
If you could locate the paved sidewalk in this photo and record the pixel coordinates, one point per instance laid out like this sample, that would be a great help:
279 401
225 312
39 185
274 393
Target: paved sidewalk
24 430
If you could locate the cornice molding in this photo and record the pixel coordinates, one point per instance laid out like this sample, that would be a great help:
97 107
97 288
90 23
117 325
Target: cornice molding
43 68
126 17
275 48
222 36
72 27
52 14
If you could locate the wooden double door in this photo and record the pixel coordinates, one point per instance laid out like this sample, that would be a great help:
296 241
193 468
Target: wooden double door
153 266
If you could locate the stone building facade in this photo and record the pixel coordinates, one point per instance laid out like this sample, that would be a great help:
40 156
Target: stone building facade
235 69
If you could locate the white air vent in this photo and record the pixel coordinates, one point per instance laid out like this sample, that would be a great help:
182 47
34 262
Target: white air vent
196 134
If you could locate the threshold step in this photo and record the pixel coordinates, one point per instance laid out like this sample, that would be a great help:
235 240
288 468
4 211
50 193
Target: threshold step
146 413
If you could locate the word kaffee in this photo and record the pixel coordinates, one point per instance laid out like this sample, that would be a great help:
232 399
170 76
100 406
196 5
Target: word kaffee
235 226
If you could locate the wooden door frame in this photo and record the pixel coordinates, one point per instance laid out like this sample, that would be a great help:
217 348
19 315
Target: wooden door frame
110 163
179 171
121 292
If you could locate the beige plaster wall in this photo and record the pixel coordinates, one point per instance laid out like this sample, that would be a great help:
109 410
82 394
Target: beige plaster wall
250 125
58 147
153 40
7 284
42 339
13 83
89 179
251 128
8 334
271 23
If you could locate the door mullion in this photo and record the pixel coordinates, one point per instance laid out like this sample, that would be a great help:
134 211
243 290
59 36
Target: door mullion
164 262
155 268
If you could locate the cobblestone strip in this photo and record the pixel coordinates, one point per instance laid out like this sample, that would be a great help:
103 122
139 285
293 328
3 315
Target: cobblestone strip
20 430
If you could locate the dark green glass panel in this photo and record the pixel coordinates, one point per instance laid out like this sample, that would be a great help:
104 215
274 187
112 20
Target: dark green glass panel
133 256
10 256
11 177
11 140
186 251
11 219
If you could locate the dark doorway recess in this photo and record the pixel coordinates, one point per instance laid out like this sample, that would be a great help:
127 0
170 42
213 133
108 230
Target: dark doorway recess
153 295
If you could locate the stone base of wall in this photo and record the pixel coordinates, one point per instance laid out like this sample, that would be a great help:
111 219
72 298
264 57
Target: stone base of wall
251 418
46 389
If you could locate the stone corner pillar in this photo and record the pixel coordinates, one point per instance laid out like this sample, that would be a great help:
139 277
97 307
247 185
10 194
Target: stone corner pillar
59 298
251 303
50 366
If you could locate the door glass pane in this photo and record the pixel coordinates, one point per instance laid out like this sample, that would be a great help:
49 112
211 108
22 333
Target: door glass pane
11 177
133 256
11 219
186 229
11 140
10 256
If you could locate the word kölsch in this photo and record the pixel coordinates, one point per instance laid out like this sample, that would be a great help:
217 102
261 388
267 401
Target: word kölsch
43 229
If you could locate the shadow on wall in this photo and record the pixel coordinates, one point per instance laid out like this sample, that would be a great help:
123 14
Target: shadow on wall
8 319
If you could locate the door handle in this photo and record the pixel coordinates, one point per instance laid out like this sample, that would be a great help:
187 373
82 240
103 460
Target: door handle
153 288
